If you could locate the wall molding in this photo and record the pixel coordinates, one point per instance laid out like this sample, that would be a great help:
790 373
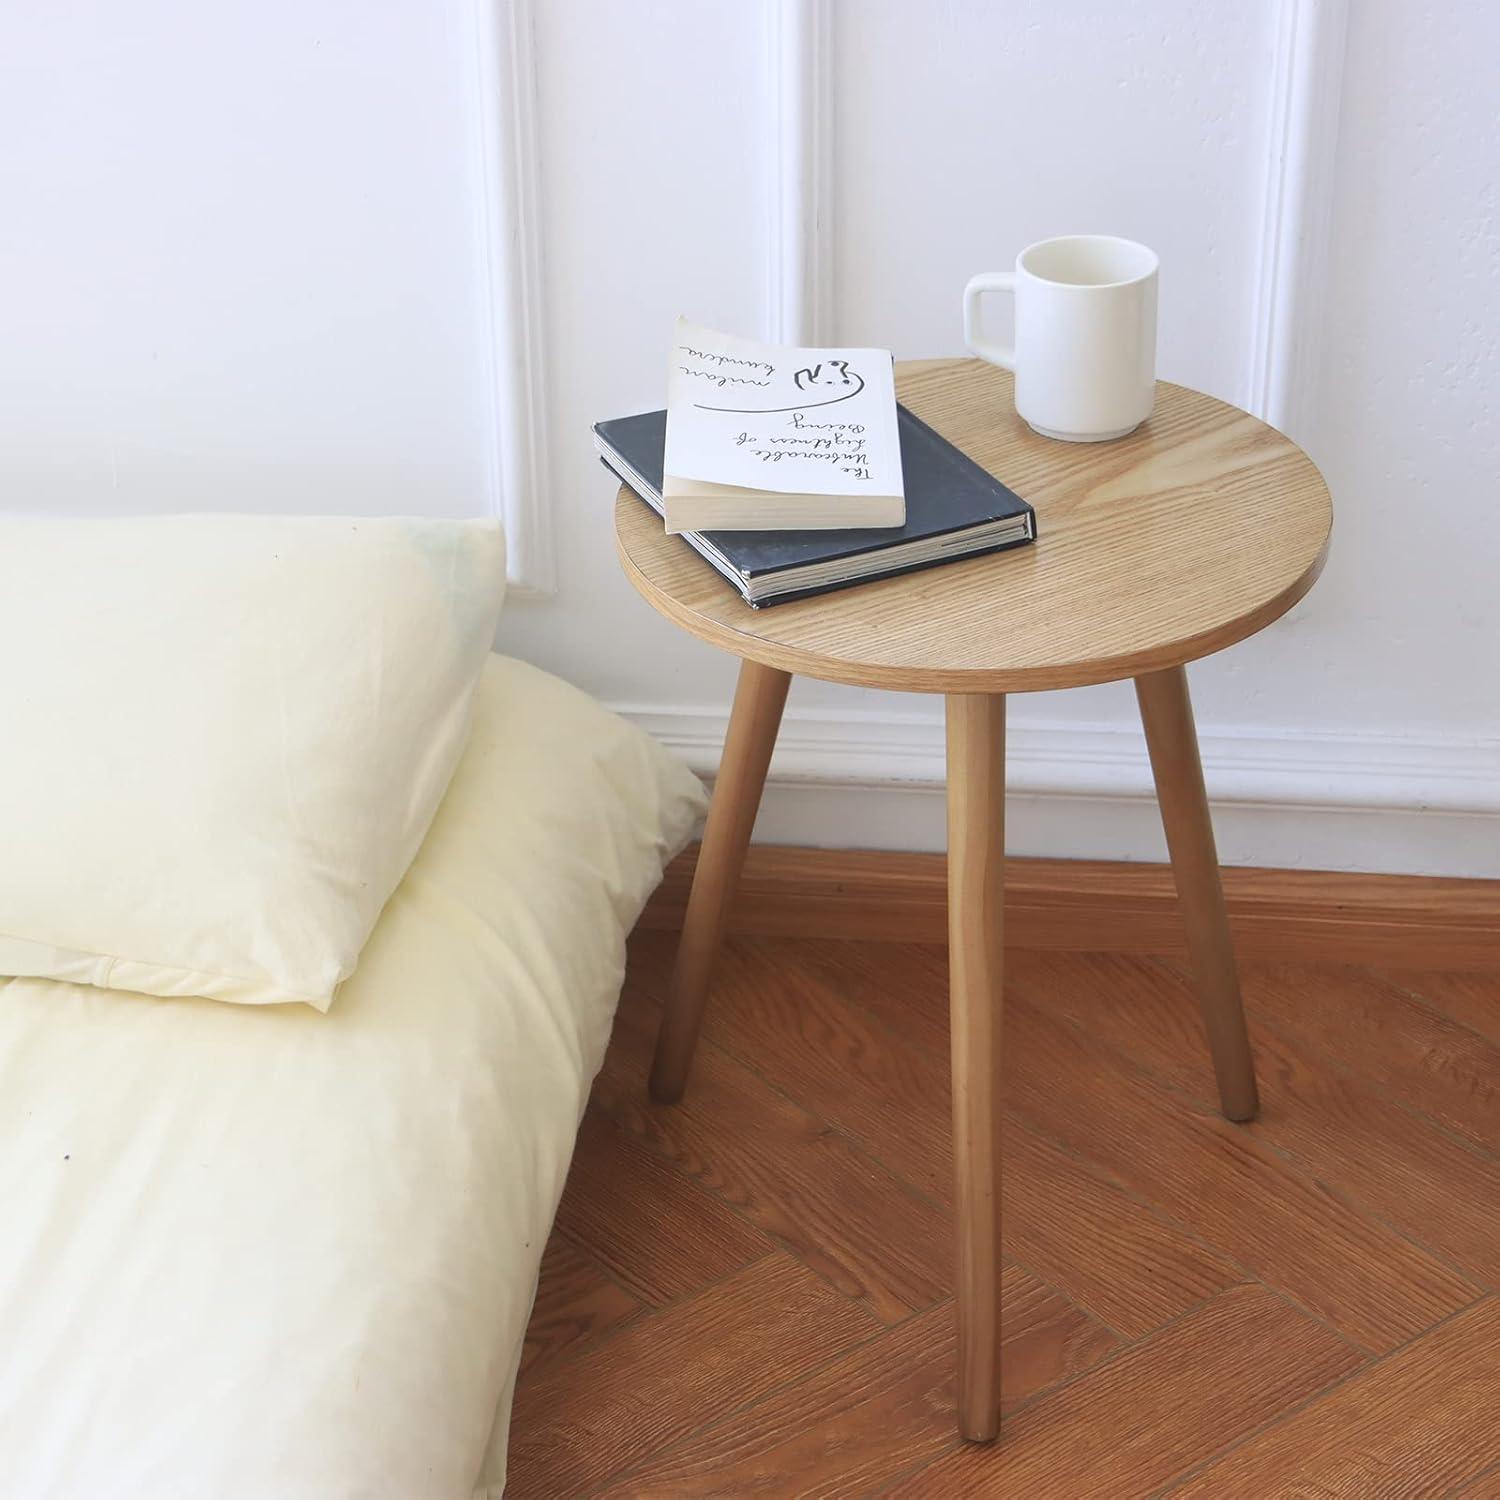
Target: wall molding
1276 768
799 132
505 72
1306 75
1421 804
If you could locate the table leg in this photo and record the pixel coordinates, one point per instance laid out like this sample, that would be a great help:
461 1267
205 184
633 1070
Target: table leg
758 700
1167 714
976 870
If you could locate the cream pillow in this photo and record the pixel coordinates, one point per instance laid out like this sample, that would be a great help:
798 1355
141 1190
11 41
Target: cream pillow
224 738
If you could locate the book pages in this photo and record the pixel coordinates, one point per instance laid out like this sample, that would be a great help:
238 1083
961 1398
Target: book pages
774 417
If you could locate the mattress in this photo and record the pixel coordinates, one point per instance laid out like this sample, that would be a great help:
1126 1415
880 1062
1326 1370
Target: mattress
267 1252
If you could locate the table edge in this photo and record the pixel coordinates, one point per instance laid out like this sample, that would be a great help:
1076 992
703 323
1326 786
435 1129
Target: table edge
1036 679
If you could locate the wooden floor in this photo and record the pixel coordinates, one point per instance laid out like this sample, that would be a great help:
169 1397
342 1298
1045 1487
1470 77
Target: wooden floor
750 1293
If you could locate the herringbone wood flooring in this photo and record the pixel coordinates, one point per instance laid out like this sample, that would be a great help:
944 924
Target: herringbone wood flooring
750 1293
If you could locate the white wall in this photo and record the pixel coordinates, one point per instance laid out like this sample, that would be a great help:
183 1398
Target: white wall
1407 621
239 265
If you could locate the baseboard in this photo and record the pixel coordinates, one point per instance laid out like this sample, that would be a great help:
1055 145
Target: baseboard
1091 905
1374 803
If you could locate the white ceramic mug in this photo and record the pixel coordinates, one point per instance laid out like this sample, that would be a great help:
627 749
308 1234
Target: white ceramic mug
1085 350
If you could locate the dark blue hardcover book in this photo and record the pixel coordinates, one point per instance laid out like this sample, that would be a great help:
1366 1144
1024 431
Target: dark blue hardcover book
954 509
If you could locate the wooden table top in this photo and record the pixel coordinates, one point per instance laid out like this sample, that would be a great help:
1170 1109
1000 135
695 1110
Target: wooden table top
1197 530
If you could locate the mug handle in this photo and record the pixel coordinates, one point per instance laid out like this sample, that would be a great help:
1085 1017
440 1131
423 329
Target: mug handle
987 281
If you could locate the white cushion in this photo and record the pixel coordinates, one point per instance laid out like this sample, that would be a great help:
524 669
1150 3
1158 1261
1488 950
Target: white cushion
261 1252
224 738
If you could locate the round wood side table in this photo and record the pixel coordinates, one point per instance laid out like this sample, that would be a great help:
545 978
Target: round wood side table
1197 530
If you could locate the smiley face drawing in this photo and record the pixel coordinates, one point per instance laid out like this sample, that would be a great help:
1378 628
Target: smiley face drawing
829 372
830 380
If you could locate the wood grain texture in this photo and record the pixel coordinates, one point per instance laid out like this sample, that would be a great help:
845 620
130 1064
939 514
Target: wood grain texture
656 1232
1113 1252
1167 714
1421 1423
1353 1136
649 1385
1286 1229
1485 1486
575 1301
1203 1382
867 1417
846 1429
810 1189
1389 1037
1132 1362
1471 999
758 701
1047 1339
813 1039
1110 906
976 948
1194 532
863 1044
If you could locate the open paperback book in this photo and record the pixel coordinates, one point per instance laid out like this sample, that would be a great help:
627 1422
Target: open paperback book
769 437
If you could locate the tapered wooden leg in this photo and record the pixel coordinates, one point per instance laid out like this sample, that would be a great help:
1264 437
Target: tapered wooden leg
976 870
753 722
1167 713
